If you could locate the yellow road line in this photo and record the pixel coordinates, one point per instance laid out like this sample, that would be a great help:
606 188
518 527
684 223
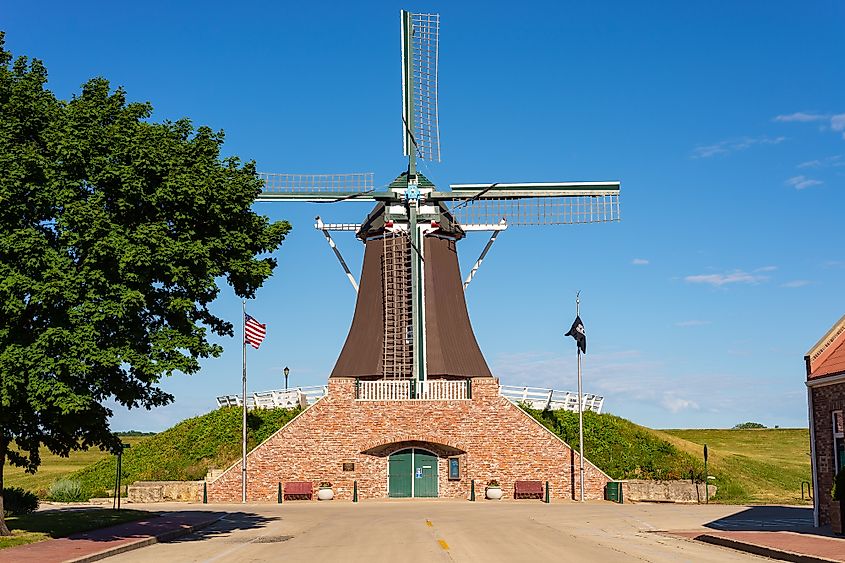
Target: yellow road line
428 523
443 544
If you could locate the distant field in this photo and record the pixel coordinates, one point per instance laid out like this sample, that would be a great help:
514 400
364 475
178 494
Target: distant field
54 467
752 466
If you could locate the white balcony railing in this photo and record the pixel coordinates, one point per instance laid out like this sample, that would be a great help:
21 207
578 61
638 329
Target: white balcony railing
539 398
406 390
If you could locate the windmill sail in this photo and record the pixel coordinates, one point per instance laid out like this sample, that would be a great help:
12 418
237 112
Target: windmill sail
317 187
421 128
551 203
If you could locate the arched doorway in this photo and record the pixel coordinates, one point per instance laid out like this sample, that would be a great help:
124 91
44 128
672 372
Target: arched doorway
412 472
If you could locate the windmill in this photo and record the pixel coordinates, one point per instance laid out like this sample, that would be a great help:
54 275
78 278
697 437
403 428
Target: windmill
411 323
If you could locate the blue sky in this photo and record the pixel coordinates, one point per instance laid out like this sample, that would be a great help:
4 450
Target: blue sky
724 121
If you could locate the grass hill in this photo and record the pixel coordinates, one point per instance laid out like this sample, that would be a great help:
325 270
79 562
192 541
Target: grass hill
187 450
750 466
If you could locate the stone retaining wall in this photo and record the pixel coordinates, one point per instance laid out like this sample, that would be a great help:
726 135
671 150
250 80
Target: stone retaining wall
165 491
665 491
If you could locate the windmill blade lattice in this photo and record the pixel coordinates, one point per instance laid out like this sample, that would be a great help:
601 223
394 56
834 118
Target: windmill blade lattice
317 187
536 204
424 120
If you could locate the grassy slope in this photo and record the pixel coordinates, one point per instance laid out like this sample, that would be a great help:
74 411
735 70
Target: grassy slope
756 466
54 467
187 450
750 466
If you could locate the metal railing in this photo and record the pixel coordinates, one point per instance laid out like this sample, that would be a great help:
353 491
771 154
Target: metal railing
540 398
407 390
289 398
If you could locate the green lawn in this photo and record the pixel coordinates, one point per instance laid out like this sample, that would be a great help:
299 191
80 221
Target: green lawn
752 466
54 467
49 524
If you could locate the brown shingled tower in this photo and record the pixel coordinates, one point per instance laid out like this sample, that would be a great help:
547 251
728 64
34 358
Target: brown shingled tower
380 345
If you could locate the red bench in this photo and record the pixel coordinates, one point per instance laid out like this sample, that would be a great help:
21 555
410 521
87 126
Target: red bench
298 490
528 489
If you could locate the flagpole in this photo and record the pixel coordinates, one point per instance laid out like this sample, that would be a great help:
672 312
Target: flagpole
580 405
243 441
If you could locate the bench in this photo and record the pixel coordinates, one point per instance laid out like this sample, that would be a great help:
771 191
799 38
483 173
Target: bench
528 489
301 490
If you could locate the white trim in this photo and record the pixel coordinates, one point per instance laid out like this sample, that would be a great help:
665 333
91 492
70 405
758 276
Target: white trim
826 380
813 458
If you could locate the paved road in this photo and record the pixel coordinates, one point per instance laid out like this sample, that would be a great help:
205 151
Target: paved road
444 531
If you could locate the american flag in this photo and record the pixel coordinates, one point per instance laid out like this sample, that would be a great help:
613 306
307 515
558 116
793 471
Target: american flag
254 331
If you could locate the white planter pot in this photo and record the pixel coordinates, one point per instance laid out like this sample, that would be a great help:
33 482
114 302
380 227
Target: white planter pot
494 493
325 494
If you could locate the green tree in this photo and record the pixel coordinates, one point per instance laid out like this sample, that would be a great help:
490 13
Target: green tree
114 232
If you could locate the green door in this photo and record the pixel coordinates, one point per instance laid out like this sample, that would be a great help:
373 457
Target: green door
425 474
412 473
399 474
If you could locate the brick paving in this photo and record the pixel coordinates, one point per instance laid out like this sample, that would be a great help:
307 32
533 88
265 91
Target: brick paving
98 544
785 545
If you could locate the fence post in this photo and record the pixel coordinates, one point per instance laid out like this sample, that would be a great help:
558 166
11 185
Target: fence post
205 492
472 490
281 497
355 491
547 493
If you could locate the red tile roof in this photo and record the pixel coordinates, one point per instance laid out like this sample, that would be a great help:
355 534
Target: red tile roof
827 357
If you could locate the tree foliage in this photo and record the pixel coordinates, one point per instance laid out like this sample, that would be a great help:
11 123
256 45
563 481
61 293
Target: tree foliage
114 232
749 426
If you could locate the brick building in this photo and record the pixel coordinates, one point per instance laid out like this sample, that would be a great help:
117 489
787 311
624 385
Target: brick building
429 447
826 397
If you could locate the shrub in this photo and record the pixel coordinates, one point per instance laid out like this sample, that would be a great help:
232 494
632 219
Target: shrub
749 426
17 501
494 484
325 485
66 490
838 490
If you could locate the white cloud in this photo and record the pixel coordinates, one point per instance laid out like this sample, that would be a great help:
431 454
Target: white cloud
834 161
837 123
734 145
686 324
801 182
796 283
801 117
718 280
766 269
639 262
676 404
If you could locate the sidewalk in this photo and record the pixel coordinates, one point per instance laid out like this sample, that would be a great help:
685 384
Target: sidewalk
99 544
783 545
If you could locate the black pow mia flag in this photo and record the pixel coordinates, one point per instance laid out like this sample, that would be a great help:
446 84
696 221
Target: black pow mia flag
577 332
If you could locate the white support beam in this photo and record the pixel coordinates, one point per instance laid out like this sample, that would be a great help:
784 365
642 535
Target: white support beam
323 227
502 226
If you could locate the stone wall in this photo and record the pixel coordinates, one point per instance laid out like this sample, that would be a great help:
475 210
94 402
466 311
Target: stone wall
493 438
665 491
826 399
165 491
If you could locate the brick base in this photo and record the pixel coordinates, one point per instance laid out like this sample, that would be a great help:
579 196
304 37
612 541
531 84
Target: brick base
493 439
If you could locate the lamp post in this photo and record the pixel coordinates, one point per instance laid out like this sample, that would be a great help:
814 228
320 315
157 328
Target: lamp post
286 371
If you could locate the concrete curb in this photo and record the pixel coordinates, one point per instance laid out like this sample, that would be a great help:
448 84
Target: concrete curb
765 551
158 538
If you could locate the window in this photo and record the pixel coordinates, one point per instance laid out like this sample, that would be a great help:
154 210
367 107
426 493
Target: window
838 441
454 469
